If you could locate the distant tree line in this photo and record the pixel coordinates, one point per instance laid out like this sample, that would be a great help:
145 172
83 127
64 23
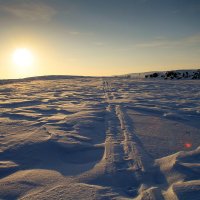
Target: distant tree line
175 75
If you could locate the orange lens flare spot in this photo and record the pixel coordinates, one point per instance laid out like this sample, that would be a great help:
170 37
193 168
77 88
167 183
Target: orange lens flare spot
188 145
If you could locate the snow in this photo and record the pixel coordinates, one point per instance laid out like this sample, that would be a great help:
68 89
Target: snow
68 137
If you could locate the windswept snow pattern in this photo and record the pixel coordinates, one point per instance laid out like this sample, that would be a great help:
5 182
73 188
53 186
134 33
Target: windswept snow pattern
100 138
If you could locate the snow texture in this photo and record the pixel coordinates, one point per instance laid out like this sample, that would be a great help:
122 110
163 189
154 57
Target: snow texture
99 138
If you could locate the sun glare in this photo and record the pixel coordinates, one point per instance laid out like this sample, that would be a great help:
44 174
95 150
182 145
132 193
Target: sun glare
22 57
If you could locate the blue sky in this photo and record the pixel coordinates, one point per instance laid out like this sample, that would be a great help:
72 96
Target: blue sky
100 37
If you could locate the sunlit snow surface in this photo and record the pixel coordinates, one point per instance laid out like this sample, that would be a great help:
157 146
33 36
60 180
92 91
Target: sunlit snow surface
100 138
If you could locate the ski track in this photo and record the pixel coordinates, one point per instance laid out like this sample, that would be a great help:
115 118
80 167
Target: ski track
125 144
124 152
126 166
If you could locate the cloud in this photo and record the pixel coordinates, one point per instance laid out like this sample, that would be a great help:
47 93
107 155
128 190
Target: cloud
170 43
99 44
124 49
28 10
79 33
194 39
74 32
153 44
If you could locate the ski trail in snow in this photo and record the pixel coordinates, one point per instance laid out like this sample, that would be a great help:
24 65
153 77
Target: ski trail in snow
125 166
125 157
122 145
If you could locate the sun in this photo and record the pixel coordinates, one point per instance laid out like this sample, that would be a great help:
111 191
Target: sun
22 57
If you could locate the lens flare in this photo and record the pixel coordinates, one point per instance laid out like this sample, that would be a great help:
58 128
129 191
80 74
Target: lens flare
188 145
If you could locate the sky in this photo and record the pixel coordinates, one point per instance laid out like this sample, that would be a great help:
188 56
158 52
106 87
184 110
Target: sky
99 37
